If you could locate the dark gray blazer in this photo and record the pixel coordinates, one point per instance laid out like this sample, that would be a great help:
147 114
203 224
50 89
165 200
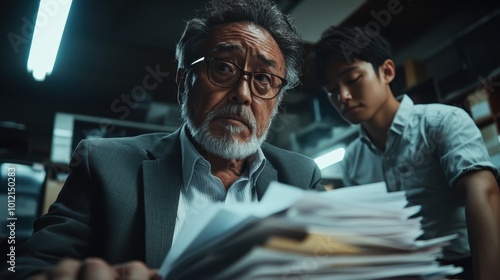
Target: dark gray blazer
120 201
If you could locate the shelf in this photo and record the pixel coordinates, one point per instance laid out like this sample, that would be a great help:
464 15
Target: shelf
496 116
424 92
481 122
459 94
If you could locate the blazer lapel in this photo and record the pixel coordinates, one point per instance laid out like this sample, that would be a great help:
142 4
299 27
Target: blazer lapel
162 183
267 175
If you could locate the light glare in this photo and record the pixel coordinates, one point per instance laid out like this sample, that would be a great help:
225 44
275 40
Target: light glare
330 158
49 27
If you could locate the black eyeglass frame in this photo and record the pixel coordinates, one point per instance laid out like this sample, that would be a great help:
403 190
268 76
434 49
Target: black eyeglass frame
207 59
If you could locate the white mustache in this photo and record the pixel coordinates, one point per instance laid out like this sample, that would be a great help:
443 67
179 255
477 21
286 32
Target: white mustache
234 110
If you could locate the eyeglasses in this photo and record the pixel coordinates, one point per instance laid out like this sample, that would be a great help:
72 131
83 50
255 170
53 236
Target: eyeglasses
226 74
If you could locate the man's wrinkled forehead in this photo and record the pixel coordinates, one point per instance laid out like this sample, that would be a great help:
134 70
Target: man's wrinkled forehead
236 48
245 39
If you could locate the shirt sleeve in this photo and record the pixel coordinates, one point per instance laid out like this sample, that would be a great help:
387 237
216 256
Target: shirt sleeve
460 146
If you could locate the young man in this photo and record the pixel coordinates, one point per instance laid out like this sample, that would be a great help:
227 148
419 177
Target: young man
126 198
433 152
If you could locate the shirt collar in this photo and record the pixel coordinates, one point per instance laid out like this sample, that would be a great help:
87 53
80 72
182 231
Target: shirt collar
192 159
257 162
401 118
403 114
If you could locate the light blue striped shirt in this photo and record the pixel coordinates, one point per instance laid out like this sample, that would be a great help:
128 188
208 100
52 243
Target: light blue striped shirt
200 187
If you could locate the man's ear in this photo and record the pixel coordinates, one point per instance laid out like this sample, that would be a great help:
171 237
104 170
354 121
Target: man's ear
388 70
179 79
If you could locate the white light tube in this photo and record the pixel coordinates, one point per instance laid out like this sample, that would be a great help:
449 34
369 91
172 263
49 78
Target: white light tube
49 27
330 158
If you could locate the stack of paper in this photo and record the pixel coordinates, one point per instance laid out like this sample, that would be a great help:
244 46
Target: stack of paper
352 233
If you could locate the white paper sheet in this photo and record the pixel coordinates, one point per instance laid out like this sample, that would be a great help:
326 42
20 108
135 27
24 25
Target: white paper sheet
378 223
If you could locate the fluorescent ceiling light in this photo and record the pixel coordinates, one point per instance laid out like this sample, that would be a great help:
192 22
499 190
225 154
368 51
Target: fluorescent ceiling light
330 158
49 27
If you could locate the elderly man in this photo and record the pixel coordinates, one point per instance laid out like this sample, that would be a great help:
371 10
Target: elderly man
126 199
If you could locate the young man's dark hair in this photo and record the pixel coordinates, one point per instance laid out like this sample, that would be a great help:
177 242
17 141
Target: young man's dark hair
341 45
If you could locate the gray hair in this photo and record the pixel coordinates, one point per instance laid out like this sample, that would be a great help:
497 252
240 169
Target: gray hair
264 13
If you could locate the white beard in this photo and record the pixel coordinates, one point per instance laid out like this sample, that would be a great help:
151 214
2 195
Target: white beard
228 146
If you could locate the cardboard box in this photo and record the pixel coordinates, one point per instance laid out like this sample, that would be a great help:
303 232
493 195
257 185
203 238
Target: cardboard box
414 72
